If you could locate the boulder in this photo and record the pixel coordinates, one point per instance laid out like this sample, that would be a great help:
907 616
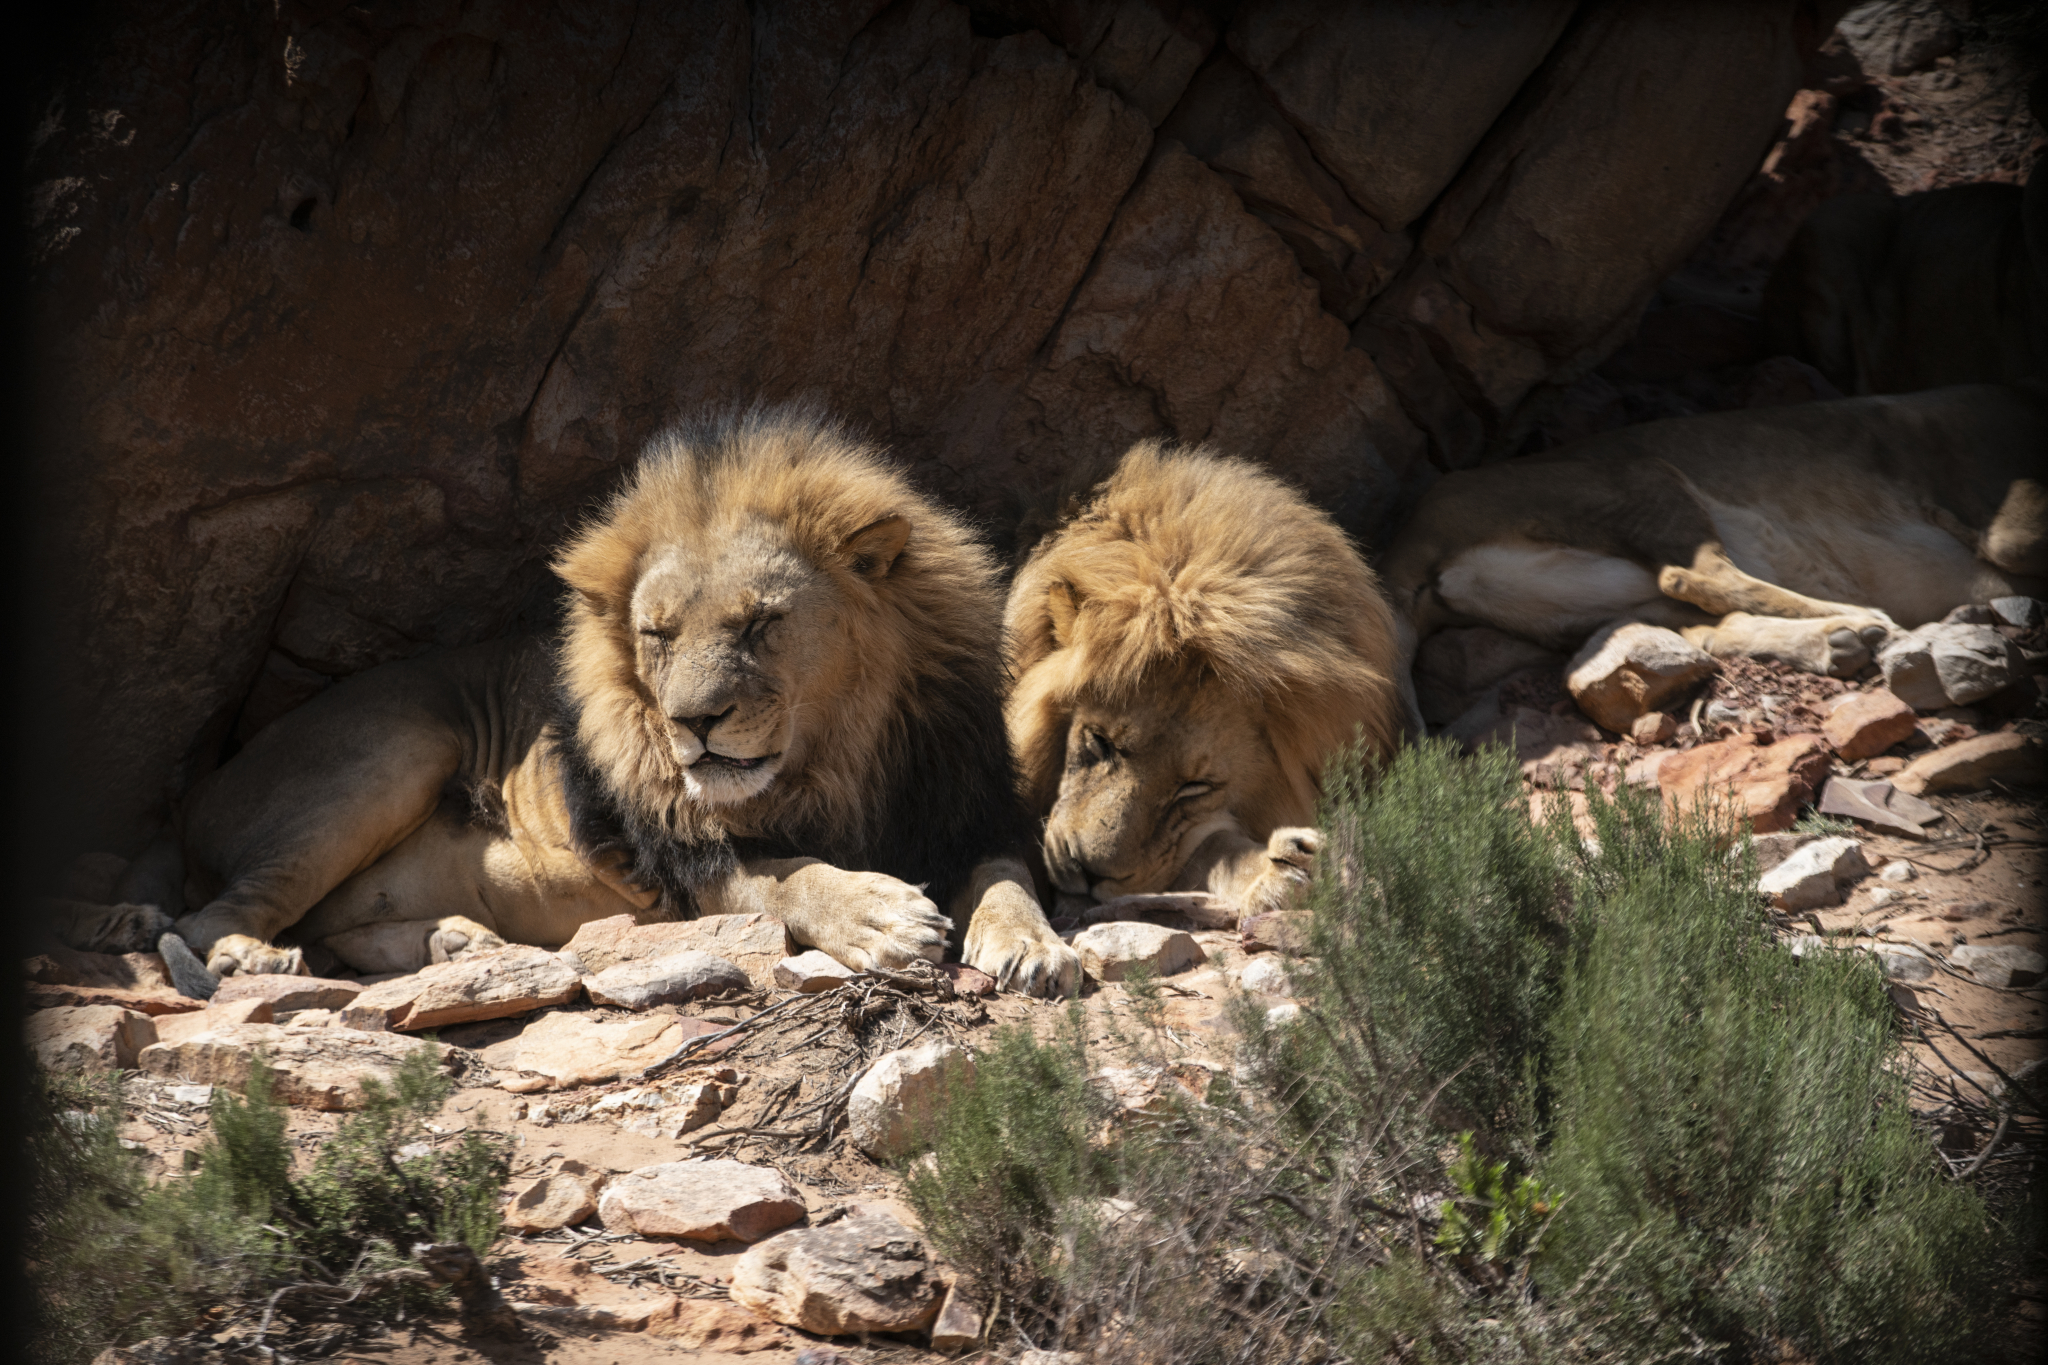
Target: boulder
901 1094
1898 870
1812 876
58 965
1109 951
314 1068
2023 613
755 943
1625 672
1281 931
1877 803
1904 961
1948 665
554 1201
1772 849
1864 724
1973 764
812 972
1765 784
701 1201
864 1273
958 1323
667 980
288 992
88 1037
507 981
2006 965
563 1050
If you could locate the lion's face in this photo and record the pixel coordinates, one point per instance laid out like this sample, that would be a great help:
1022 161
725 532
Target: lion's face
730 640
1148 779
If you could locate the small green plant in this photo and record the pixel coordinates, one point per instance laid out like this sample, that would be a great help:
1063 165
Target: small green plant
116 1258
1492 1219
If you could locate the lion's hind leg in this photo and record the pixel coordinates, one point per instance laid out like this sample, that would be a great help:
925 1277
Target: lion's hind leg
1834 645
408 945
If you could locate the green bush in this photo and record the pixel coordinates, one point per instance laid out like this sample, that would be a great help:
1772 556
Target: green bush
1549 1099
116 1259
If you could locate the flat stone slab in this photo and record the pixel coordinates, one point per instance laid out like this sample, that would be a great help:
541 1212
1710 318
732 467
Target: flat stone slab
43 997
1765 784
568 1049
755 943
701 1201
87 1037
670 979
511 981
1879 804
315 1068
901 1094
288 992
1972 764
1109 951
177 1028
864 1273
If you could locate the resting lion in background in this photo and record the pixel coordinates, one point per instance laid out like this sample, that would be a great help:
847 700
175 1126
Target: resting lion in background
1804 534
778 689
1188 647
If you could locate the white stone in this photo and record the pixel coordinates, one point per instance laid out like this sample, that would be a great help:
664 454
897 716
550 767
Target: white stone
572 1048
811 972
1811 877
670 979
2023 612
901 1094
1897 870
702 1201
1904 962
865 1273
1266 975
1883 896
1109 951
2000 965
554 1201
1283 1014
198 1096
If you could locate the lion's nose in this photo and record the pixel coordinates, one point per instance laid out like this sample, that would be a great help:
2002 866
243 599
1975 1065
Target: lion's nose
701 726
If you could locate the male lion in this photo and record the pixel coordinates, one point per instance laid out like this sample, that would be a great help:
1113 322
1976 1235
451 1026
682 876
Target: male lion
1188 647
1804 534
778 689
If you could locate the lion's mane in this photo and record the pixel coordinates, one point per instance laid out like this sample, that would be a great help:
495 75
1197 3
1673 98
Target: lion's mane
907 771
1185 562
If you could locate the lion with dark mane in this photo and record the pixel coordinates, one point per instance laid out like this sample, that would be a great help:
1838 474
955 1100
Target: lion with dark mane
1189 646
777 690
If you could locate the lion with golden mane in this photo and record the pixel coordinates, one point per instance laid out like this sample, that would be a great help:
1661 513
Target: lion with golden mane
777 689
1188 647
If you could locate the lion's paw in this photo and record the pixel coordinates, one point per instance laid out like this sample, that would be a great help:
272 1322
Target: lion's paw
1024 958
883 922
1851 643
241 955
1290 862
455 938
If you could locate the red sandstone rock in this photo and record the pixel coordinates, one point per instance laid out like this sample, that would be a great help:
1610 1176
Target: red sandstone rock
41 997
1865 724
1766 783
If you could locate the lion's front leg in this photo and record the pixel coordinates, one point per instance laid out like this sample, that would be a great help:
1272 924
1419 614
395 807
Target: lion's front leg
1258 877
1008 936
863 919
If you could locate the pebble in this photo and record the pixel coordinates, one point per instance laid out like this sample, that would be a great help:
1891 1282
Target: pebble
811 972
1811 877
1897 870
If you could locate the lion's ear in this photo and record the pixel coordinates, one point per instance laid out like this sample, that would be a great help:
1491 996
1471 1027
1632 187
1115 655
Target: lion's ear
597 566
1062 604
872 550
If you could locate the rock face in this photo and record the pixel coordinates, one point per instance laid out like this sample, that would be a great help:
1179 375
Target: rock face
1867 723
1766 784
754 943
701 1201
669 980
1948 665
495 985
901 1093
865 1273
318 1068
88 1037
1109 951
1626 672
1351 241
